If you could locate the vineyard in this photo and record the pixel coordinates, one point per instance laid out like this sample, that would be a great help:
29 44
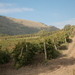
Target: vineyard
23 49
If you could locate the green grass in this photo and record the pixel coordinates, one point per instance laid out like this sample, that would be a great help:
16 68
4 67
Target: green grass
9 43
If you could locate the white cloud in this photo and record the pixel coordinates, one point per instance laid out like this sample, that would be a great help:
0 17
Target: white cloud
5 4
62 24
11 8
2 11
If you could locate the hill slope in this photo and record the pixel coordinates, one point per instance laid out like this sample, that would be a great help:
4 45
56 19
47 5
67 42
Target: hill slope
27 23
12 26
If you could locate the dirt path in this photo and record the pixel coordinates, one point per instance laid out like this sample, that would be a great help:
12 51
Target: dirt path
71 49
60 66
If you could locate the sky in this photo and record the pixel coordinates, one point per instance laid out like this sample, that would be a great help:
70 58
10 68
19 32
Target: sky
50 12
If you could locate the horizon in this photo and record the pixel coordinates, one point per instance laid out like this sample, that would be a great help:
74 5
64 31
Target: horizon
50 12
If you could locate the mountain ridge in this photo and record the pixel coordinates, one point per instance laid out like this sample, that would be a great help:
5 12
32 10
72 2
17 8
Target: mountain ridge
28 22
13 26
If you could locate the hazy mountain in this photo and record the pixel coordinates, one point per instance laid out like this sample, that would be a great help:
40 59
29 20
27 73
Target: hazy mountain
12 26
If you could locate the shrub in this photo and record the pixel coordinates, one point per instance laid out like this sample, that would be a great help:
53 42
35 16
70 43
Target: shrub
24 53
4 56
50 49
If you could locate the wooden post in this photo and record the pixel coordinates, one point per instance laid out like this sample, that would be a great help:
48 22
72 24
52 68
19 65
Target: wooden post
26 47
55 47
21 52
65 40
45 51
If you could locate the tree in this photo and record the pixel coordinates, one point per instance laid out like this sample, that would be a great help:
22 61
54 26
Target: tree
67 27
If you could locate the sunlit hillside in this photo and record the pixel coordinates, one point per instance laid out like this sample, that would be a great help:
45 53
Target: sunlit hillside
12 26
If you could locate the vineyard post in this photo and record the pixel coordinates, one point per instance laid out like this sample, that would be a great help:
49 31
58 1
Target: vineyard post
45 51
26 47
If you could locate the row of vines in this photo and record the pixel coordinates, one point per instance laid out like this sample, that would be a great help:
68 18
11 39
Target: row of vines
25 51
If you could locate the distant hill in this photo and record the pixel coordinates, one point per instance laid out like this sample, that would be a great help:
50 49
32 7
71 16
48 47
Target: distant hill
12 26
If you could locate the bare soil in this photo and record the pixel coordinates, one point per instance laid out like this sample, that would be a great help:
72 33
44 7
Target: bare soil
64 65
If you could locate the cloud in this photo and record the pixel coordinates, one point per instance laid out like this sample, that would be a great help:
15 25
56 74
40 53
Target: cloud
2 11
11 8
63 23
5 4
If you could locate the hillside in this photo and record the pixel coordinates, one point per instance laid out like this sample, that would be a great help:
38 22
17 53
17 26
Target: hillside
12 26
27 23
64 65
